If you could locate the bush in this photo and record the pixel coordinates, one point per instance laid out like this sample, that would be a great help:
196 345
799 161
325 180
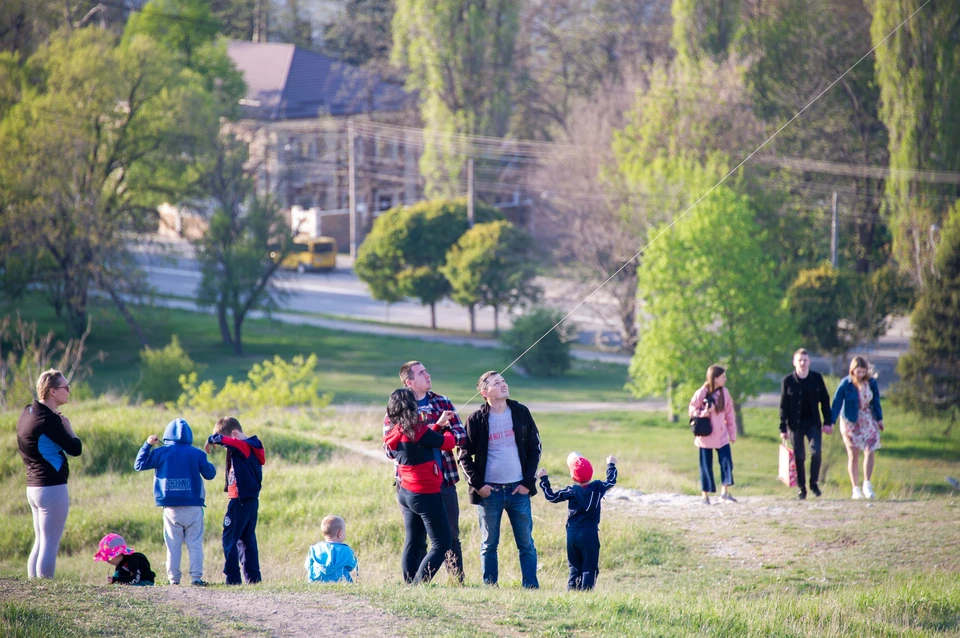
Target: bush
550 357
31 354
272 384
160 371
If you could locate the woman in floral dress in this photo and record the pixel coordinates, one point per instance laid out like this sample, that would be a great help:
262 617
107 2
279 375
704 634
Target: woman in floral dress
856 407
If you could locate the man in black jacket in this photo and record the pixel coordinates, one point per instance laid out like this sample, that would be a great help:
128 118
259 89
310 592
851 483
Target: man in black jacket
499 459
801 393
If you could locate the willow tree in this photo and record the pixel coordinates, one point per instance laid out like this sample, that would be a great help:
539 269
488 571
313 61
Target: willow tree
460 57
930 371
918 70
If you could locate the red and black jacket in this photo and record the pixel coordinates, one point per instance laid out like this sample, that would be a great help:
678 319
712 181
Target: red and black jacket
245 460
418 469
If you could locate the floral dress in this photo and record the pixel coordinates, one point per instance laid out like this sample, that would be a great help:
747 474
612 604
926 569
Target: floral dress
865 433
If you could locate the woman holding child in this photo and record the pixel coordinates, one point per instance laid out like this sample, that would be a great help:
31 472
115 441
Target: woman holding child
419 477
713 400
45 438
857 405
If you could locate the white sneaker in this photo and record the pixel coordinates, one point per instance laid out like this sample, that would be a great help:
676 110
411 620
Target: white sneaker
857 494
868 490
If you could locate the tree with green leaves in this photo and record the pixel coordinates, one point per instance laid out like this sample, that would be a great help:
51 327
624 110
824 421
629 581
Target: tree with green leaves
97 138
460 54
930 372
794 48
491 265
918 71
710 295
361 33
407 247
240 252
705 29
817 300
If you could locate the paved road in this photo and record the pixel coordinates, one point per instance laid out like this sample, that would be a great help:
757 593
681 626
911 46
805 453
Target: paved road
171 270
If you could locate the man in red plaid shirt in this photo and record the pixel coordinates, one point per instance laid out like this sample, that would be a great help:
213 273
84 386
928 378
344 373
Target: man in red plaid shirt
431 405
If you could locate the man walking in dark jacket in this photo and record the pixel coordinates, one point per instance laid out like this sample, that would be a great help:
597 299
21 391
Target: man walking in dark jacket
499 459
801 393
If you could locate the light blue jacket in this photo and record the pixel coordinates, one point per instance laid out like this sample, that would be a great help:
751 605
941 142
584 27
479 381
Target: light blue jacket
180 467
330 562
847 399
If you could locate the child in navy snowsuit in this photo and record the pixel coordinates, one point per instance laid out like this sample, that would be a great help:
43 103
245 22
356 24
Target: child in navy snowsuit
245 459
583 519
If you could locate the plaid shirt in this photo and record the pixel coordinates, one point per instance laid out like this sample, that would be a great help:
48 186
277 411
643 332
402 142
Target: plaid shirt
437 404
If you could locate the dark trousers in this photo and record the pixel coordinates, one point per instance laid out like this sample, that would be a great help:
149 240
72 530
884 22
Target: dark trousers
454 559
424 517
583 556
813 433
240 541
706 468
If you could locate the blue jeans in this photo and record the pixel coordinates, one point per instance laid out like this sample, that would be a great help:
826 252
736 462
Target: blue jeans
491 510
706 468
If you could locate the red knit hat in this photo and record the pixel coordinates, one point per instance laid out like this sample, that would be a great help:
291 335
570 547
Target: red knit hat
580 469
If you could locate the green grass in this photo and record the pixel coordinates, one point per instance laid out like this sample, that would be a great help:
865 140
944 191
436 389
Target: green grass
767 567
69 609
356 368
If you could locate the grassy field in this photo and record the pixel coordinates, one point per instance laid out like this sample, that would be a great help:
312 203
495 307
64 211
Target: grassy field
669 566
356 368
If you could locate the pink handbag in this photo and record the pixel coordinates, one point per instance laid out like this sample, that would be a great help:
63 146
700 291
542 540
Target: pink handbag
788 466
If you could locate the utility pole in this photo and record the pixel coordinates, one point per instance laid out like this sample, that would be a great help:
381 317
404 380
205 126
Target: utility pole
835 235
352 186
470 192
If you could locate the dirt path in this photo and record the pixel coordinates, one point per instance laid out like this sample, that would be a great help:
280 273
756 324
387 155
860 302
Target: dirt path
283 614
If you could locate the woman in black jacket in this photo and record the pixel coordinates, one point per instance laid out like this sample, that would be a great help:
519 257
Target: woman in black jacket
45 437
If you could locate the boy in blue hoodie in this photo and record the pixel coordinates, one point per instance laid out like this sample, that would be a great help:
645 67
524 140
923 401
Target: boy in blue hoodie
583 517
245 459
179 470
331 560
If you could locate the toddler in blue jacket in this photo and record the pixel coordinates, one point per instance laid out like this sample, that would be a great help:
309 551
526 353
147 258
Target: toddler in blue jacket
583 517
179 470
331 560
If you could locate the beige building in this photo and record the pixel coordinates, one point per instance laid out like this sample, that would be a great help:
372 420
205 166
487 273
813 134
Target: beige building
296 119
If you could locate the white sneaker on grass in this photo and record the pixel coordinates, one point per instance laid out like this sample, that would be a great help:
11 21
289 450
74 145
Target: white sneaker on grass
868 490
857 494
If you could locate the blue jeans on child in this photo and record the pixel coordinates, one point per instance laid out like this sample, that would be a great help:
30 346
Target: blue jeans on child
706 468
240 541
491 511
583 556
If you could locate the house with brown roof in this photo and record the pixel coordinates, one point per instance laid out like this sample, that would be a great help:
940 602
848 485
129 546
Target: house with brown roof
295 118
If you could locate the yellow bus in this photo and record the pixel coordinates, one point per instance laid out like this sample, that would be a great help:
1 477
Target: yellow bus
310 253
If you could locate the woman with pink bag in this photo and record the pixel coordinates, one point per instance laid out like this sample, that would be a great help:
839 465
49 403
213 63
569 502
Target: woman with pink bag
713 401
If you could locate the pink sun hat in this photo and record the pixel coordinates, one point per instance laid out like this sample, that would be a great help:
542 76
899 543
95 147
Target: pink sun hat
112 545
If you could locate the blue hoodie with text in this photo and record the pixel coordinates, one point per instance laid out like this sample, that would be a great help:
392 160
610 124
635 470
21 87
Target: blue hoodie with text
180 467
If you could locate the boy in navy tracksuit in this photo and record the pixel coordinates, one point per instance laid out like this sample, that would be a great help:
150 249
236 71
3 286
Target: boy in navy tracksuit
179 470
245 459
583 521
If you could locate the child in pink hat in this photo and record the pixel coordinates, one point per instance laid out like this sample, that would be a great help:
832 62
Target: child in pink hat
133 568
583 516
